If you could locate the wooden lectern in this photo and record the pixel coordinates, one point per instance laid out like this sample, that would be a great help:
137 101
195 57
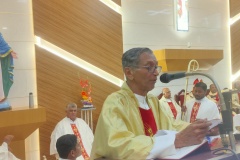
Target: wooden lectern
20 123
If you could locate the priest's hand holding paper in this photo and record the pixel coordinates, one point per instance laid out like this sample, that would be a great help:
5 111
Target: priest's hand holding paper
213 132
213 129
192 134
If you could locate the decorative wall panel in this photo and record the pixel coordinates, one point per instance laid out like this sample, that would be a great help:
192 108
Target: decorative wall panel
89 30
235 36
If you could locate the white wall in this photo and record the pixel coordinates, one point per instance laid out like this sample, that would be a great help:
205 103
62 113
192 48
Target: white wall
150 23
16 25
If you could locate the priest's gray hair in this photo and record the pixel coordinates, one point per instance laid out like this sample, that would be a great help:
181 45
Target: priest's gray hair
71 105
131 57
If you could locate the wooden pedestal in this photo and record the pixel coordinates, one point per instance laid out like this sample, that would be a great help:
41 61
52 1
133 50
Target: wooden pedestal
20 123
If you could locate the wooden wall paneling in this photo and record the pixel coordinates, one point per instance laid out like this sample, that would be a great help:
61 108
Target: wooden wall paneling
87 29
235 47
91 31
234 7
58 84
117 2
235 36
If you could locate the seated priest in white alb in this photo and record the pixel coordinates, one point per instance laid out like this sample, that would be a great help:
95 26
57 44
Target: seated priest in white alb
73 125
213 94
5 154
170 105
201 107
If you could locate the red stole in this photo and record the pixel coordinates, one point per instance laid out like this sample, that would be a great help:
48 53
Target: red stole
173 109
149 123
217 97
76 132
195 109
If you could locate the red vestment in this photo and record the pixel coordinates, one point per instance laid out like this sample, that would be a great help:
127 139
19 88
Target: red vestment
173 109
194 112
149 123
83 150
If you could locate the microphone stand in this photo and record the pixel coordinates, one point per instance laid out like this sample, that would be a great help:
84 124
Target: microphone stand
224 111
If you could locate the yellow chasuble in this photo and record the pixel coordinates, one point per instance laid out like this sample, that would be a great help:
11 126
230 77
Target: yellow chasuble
120 131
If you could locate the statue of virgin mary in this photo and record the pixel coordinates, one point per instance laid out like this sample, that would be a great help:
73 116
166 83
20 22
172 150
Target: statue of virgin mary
6 68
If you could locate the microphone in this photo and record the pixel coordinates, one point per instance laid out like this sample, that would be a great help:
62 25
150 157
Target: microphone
226 112
166 78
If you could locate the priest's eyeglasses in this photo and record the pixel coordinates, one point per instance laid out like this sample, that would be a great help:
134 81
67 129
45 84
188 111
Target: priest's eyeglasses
152 69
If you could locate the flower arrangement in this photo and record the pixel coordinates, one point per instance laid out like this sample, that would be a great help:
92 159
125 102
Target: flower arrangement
86 93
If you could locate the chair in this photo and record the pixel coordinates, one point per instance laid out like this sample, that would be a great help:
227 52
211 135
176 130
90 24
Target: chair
208 90
179 98
160 96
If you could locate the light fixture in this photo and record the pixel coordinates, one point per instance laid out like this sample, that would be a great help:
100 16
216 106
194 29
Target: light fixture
112 5
77 61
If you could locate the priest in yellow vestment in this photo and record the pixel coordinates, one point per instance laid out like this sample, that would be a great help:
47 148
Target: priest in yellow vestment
131 119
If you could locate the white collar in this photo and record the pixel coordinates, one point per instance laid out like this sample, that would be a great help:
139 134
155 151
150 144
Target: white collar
142 101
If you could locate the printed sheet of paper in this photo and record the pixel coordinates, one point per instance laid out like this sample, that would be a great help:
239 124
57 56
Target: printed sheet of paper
182 152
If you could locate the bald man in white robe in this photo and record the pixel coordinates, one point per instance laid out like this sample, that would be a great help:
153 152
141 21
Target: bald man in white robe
170 105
